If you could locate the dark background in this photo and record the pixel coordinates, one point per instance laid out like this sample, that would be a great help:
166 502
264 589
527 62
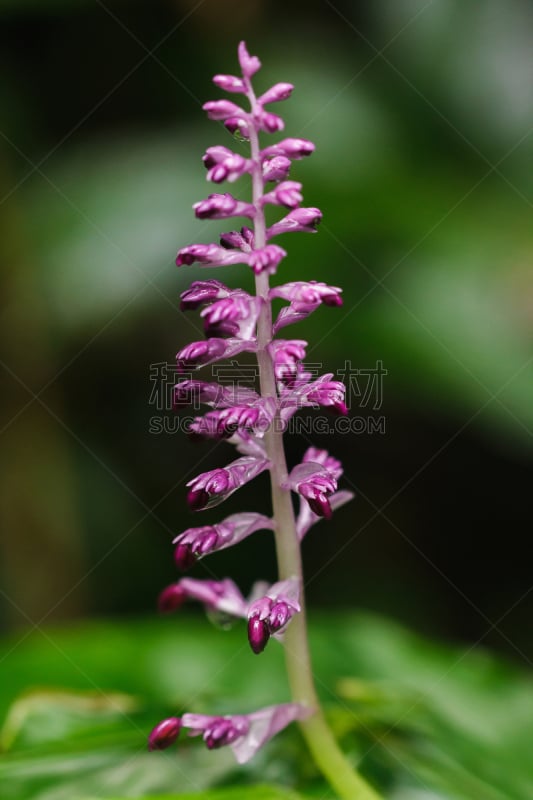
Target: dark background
422 116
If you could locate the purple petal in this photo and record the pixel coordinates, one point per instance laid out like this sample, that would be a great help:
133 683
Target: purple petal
223 596
245 734
264 725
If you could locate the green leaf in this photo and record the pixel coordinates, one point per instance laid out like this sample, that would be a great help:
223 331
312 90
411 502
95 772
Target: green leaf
423 721
250 793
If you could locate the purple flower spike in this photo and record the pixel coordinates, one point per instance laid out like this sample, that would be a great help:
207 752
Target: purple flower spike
213 487
280 91
230 83
245 734
195 543
164 734
291 148
266 259
303 220
249 64
235 322
222 206
268 615
200 292
276 169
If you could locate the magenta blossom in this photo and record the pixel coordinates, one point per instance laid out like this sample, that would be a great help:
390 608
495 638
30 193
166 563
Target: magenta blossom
268 615
268 609
245 733
252 417
213 487
195 543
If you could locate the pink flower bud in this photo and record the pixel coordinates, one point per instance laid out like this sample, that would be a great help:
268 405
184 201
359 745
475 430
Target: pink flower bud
212 255
222 109
314 482
305 220
198 353
268 615
238 126
280 91
164 734
276 169
221 206
213 487
222 164
171 598
266 258
235 315
245 734
197 542
292 148
287 193
271 123
249 64
200 292
258 634
229 83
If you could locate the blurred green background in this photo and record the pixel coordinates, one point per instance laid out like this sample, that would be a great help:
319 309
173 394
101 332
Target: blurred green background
422 115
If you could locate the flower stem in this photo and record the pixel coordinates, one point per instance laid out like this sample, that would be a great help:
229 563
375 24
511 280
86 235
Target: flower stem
330 759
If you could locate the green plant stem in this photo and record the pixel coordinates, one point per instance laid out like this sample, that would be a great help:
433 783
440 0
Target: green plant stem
330 759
